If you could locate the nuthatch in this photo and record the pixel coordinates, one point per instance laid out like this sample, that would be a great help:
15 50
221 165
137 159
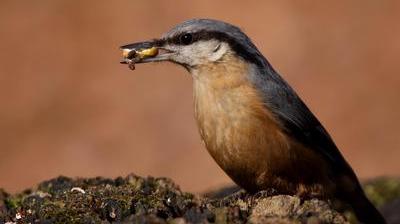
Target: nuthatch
252 122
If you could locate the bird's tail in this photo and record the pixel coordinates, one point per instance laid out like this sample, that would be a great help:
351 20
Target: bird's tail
365 210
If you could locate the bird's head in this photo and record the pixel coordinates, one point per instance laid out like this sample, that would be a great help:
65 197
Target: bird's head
194 43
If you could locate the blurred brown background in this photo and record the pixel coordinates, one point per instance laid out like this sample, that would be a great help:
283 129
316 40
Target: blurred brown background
68 107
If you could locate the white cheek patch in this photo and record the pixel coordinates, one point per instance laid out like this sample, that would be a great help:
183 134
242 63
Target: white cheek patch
218 51
201 52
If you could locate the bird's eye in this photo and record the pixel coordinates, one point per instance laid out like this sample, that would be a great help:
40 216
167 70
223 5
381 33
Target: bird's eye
186 39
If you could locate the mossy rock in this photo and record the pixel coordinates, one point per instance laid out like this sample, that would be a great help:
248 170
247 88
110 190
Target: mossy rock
136 199
382 190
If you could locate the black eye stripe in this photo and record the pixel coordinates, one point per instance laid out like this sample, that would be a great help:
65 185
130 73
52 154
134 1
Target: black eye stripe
186 38
178 39
201 35
196 36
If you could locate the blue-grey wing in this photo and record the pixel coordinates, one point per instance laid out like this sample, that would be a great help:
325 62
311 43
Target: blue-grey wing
297 120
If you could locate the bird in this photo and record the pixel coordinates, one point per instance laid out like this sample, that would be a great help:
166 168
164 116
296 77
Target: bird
251 121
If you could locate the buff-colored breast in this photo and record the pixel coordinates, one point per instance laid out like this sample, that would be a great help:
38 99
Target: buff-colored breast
244 137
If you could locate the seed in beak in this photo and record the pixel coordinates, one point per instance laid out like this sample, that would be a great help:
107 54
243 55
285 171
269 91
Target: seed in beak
132 56
125 53
146 53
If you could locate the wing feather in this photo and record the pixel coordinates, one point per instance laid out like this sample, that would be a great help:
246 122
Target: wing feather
297 119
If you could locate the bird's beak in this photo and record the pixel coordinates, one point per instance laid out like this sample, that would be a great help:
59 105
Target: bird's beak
143 52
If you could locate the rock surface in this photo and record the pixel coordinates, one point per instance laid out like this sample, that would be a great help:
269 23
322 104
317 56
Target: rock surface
135 199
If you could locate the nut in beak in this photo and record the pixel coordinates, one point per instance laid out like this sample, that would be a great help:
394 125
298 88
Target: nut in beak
132 56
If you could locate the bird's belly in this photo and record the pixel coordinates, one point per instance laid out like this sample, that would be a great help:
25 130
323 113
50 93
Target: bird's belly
241 135
240 148
249 145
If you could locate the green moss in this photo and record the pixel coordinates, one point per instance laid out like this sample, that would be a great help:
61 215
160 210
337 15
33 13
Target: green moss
382 190
13 202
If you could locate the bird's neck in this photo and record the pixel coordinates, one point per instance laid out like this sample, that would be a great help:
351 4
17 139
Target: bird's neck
223 93
226 73
221 90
